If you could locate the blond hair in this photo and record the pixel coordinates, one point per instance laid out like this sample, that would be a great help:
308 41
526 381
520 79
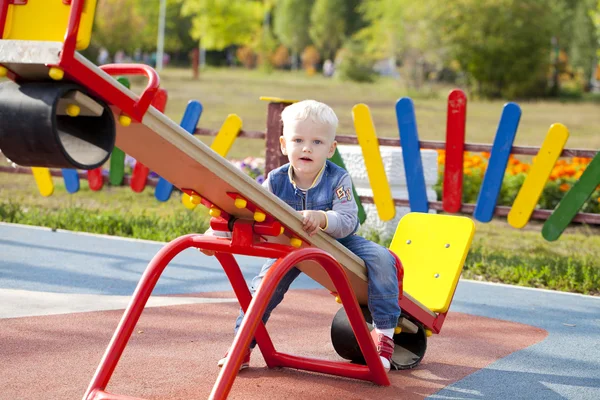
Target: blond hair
312 110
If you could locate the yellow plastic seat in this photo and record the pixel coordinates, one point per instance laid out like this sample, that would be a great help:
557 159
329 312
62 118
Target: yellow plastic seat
432 249
47 20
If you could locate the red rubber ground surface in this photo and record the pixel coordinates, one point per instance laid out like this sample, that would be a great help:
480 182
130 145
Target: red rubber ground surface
174 351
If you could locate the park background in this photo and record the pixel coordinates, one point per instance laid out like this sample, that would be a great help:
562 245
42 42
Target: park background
542 54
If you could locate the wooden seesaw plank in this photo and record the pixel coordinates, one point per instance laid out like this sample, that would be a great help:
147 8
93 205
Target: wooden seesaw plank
533 186
139 176
367 139
411 155
573 200
221 145
494 174
117 158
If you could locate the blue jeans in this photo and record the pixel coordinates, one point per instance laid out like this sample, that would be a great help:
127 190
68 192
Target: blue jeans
382 284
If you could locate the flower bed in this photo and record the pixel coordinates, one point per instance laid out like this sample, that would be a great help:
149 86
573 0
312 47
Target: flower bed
564 174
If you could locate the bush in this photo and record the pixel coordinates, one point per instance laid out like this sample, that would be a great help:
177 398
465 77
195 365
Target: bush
354 64
281 58
310 58
564 174
246 56
144 226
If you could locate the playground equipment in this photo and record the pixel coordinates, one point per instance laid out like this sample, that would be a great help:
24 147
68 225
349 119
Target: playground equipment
261 224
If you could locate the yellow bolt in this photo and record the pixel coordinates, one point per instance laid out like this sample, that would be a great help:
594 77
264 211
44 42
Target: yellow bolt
3 71
338 300
397 330
295 242
195 199
428 332
56 73
73 110
214 212
281 230
259 216
124 120
240 203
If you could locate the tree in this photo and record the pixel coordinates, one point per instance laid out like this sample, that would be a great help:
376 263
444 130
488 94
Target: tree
177 26
503 45
223 23
292 17
385 29
118 25
582 51
328 26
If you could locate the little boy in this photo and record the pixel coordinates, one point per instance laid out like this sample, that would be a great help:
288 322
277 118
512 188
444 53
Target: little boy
322 192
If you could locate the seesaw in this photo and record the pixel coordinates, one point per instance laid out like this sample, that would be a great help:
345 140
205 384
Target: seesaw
45 74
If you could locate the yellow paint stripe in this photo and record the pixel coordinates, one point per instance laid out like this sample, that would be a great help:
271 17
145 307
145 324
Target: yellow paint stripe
43 179
276 100
533 186
220 145
367 139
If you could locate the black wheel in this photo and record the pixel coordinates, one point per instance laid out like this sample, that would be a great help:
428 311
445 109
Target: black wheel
409 348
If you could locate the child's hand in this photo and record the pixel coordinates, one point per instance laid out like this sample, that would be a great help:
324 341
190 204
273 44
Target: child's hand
313 220
209 253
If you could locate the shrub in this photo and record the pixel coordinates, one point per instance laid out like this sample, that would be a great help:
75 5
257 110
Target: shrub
246 56
564 174
354 63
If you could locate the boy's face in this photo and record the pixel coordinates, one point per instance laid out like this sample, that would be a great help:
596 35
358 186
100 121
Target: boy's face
307 145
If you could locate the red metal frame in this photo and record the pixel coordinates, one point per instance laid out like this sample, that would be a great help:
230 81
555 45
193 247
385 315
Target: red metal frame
245 242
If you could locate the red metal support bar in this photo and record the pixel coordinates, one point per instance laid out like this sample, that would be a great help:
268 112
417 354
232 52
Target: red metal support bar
132 314
373 371
141 105
3 15
240 288
68 51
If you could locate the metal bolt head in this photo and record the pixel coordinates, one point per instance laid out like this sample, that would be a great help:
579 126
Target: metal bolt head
408 241
436 276
447 245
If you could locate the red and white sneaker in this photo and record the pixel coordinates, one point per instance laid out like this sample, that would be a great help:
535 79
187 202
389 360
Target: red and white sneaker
385 349
245 361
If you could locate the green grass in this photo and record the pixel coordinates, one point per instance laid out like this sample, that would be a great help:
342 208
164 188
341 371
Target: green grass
499 252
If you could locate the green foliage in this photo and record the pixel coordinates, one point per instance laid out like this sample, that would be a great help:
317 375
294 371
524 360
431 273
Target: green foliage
177 27
291 21
540 268
328 26
583 45
130 24
222 23
118 25
504 45
108 222
385 28
355 65
553 192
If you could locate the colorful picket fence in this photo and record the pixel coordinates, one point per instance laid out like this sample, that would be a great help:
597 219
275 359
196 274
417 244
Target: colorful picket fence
486 207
